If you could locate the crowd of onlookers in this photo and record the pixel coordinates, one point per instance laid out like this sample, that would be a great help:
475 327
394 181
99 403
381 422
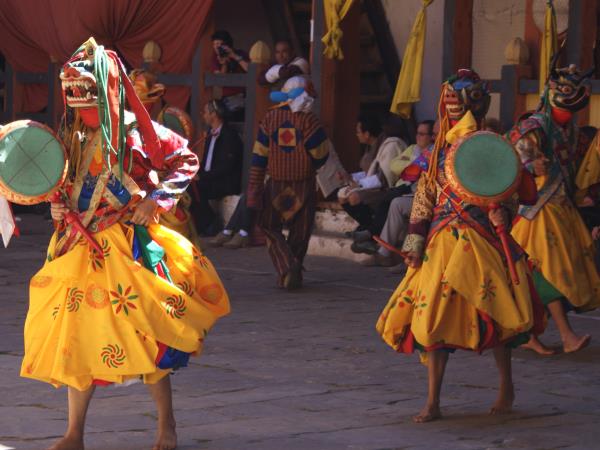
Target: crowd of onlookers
378 196
222 154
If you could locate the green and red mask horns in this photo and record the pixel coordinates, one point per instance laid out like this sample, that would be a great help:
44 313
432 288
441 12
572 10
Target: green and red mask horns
568 88
463 92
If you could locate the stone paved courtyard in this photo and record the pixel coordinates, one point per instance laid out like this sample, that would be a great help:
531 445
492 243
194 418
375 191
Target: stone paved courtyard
303 370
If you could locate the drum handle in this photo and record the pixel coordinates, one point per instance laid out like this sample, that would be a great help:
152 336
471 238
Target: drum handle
501 232
389 246
71 218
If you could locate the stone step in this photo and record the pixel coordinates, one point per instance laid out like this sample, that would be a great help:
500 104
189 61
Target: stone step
329 234
333 244
333 221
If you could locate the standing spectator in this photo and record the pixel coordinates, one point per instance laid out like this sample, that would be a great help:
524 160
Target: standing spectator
226 59
287 65
291 145
221 169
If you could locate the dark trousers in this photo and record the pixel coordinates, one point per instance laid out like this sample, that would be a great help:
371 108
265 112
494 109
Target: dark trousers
362 213
286 253
241 219
374 219
205 218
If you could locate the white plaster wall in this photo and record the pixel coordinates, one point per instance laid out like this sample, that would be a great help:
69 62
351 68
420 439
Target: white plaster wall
401 15
494 25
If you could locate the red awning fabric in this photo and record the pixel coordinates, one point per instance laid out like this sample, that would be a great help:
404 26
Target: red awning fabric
32 32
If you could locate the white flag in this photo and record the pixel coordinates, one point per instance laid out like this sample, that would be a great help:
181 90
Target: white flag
7 222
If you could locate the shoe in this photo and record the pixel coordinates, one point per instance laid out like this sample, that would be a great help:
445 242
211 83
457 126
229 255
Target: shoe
220 239
350 234
293 279
237 241
368 247
361 236
378 260
398 269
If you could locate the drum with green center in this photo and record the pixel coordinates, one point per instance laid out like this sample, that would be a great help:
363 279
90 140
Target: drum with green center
178 121
483 168
33 162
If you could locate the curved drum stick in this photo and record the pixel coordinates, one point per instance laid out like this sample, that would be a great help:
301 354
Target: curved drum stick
501 231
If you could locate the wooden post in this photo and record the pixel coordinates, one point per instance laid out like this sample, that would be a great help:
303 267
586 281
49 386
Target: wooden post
200 66
581 36
458 36
340 91
316 49
512 102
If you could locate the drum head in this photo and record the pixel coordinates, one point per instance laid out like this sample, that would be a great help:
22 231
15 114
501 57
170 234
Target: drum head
483 168
32 162
178 121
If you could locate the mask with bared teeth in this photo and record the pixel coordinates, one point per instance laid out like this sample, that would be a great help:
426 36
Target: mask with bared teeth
79 82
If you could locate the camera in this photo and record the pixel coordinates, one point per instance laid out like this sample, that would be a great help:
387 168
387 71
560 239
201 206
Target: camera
222 51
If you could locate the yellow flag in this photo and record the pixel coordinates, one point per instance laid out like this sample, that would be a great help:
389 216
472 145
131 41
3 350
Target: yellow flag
549 44
335 11
408 88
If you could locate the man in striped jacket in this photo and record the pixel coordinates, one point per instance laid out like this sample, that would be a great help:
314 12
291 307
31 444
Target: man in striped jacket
291 145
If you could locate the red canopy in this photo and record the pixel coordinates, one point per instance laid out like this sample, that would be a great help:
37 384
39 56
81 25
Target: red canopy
32 32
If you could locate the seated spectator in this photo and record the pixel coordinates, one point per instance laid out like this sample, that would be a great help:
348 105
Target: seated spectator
236 233
287 65
220 173
226 59
364 191
398 212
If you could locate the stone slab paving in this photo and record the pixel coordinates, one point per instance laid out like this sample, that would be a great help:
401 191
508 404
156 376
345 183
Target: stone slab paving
303 370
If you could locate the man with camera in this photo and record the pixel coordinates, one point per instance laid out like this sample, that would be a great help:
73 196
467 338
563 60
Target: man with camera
226 59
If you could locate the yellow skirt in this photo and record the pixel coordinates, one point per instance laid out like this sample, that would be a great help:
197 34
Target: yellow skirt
561 248
93 319
461 297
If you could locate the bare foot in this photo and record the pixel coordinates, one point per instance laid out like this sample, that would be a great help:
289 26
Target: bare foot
504 402
576 343
68 443
535 345
428 414
166 438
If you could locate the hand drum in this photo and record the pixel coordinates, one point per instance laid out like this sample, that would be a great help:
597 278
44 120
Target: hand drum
484 169
33 162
